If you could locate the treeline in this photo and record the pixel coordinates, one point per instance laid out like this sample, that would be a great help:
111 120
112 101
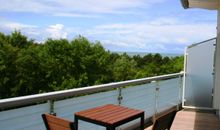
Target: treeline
30 68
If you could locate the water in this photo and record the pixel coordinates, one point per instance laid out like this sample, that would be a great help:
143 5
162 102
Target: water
146 53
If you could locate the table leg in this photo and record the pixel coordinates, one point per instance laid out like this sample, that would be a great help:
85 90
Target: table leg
76 122
110 128
142 121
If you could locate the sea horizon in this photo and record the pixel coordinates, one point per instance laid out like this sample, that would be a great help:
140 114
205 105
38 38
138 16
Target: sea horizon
146 53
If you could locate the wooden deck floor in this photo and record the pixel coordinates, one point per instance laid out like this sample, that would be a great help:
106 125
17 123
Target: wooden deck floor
191 120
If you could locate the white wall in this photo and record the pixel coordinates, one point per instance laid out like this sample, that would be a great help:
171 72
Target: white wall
216 102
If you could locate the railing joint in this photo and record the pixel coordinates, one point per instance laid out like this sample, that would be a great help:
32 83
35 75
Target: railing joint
120 97
51 105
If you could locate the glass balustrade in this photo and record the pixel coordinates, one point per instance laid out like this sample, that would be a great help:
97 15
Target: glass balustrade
155 96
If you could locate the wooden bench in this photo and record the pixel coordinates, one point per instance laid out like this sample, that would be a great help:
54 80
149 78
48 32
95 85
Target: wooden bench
55 123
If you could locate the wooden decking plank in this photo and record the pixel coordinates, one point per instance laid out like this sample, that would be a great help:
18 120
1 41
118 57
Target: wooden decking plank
190 120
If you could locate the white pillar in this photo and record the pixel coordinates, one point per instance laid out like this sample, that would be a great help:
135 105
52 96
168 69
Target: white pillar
216 102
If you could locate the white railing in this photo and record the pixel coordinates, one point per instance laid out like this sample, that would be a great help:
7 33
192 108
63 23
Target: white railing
153 95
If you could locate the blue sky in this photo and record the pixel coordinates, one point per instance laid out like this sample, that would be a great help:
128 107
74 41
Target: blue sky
120 25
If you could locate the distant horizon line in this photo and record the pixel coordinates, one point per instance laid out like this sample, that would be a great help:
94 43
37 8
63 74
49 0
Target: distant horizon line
147 52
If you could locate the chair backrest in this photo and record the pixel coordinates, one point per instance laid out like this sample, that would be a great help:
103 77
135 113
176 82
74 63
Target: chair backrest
55 123
164 122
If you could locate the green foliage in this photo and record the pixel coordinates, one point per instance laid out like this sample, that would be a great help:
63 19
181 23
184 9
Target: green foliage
124 69
30 68
16 39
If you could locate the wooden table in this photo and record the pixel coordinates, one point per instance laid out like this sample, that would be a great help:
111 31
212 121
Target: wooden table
109 116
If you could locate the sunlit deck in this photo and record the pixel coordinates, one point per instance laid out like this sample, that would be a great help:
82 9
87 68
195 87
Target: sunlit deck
191 120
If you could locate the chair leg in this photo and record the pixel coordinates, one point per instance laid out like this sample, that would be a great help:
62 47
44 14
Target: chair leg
76 123
110 128
142 121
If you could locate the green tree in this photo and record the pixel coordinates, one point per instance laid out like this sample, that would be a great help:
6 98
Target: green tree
59 64
30 73
16 39
8 56
30 68
124 69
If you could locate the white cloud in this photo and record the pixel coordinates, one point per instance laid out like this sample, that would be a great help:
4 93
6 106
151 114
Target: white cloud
9 26
102 6
164 21
4 24
24 6
76 8
155 35
57 31
158 35
75 15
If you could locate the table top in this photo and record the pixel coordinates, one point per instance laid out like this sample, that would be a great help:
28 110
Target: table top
110 114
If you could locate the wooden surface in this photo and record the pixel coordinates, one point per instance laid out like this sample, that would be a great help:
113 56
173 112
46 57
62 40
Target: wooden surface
191 120
110 114
56 123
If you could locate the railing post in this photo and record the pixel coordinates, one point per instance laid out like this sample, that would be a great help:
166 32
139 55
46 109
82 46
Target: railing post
156 99
119 96
180 92
157 95
51 105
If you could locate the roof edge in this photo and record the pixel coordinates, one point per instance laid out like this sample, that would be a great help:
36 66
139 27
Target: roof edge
185 4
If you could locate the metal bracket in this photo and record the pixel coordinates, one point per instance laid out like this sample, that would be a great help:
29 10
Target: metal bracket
120 98
51 103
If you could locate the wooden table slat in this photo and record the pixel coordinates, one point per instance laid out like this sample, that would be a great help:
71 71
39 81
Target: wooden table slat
107 110
93 110
120 117
110 115
105 114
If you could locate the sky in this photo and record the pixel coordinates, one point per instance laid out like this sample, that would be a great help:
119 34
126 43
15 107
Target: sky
157 26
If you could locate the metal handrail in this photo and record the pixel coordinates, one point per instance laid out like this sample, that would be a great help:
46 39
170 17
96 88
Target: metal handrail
25 100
